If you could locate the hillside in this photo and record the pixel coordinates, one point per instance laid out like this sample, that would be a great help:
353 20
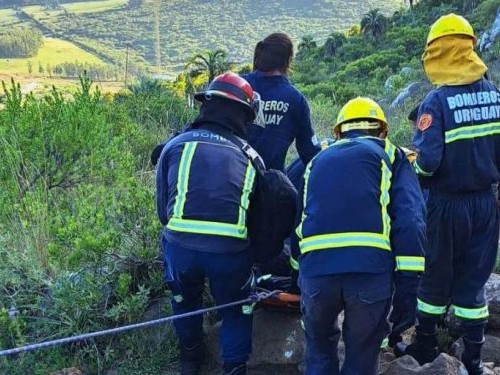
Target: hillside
186 27
79 234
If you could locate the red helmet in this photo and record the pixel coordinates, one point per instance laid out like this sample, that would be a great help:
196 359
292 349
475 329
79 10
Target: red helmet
231 86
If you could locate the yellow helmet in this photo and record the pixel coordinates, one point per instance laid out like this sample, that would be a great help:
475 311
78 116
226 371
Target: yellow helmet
359 108
451 24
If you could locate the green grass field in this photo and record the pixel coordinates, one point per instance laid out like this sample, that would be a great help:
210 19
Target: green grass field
93 6
8 17
40 13
53 52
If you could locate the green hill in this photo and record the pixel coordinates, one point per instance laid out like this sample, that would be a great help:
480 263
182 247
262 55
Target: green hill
170 32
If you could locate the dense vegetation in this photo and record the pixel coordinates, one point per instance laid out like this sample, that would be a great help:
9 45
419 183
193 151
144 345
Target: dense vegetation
78 229
20 43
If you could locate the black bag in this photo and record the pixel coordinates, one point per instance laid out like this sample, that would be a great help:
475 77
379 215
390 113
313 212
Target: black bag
273 208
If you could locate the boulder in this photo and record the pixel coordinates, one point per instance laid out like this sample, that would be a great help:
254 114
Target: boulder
386 358
490 369
490 353
278 339
414 89
492 289
444 364
488 38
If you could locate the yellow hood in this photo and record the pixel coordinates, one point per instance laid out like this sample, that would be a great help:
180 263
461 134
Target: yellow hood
451 60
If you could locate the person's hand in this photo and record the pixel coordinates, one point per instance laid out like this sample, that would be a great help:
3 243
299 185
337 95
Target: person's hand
410 154
404 306
402 317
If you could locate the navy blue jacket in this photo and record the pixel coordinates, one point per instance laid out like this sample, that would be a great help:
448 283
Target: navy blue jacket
204 187
287 119
363 211
458 138
295 172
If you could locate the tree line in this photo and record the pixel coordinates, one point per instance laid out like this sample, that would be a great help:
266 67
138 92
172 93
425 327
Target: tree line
20 43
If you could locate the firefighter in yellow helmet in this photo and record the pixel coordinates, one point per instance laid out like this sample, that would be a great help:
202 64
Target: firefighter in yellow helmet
458 145
362 232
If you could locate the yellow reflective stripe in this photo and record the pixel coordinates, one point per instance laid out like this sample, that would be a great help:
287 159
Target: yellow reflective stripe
430 309
336 240
245 196
474 131
369 239
177 223
478 313
390 150
420 171
183 178
307 172
207 227
294 264
385 186
385 343
409 263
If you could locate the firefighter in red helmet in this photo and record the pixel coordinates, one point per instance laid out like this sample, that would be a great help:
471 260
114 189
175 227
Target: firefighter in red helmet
205 188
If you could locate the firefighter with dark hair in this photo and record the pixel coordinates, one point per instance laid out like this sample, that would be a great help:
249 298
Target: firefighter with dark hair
286 111
205 192
458 145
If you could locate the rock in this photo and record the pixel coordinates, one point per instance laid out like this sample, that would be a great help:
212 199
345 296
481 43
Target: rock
492 289
405 363
278 339
489 369
444 364
488 37
490 352
411 91
386 358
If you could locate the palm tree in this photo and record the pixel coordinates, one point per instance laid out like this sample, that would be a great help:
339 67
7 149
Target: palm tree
333 43
211 63
307 43
374 24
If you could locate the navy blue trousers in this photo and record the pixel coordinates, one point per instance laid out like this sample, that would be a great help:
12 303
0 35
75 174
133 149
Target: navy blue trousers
366 301
230 279
462 234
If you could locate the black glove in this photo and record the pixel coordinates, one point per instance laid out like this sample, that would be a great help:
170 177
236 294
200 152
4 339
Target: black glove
404 305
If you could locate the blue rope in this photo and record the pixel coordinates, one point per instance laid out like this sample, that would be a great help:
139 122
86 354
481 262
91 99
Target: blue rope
254 298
